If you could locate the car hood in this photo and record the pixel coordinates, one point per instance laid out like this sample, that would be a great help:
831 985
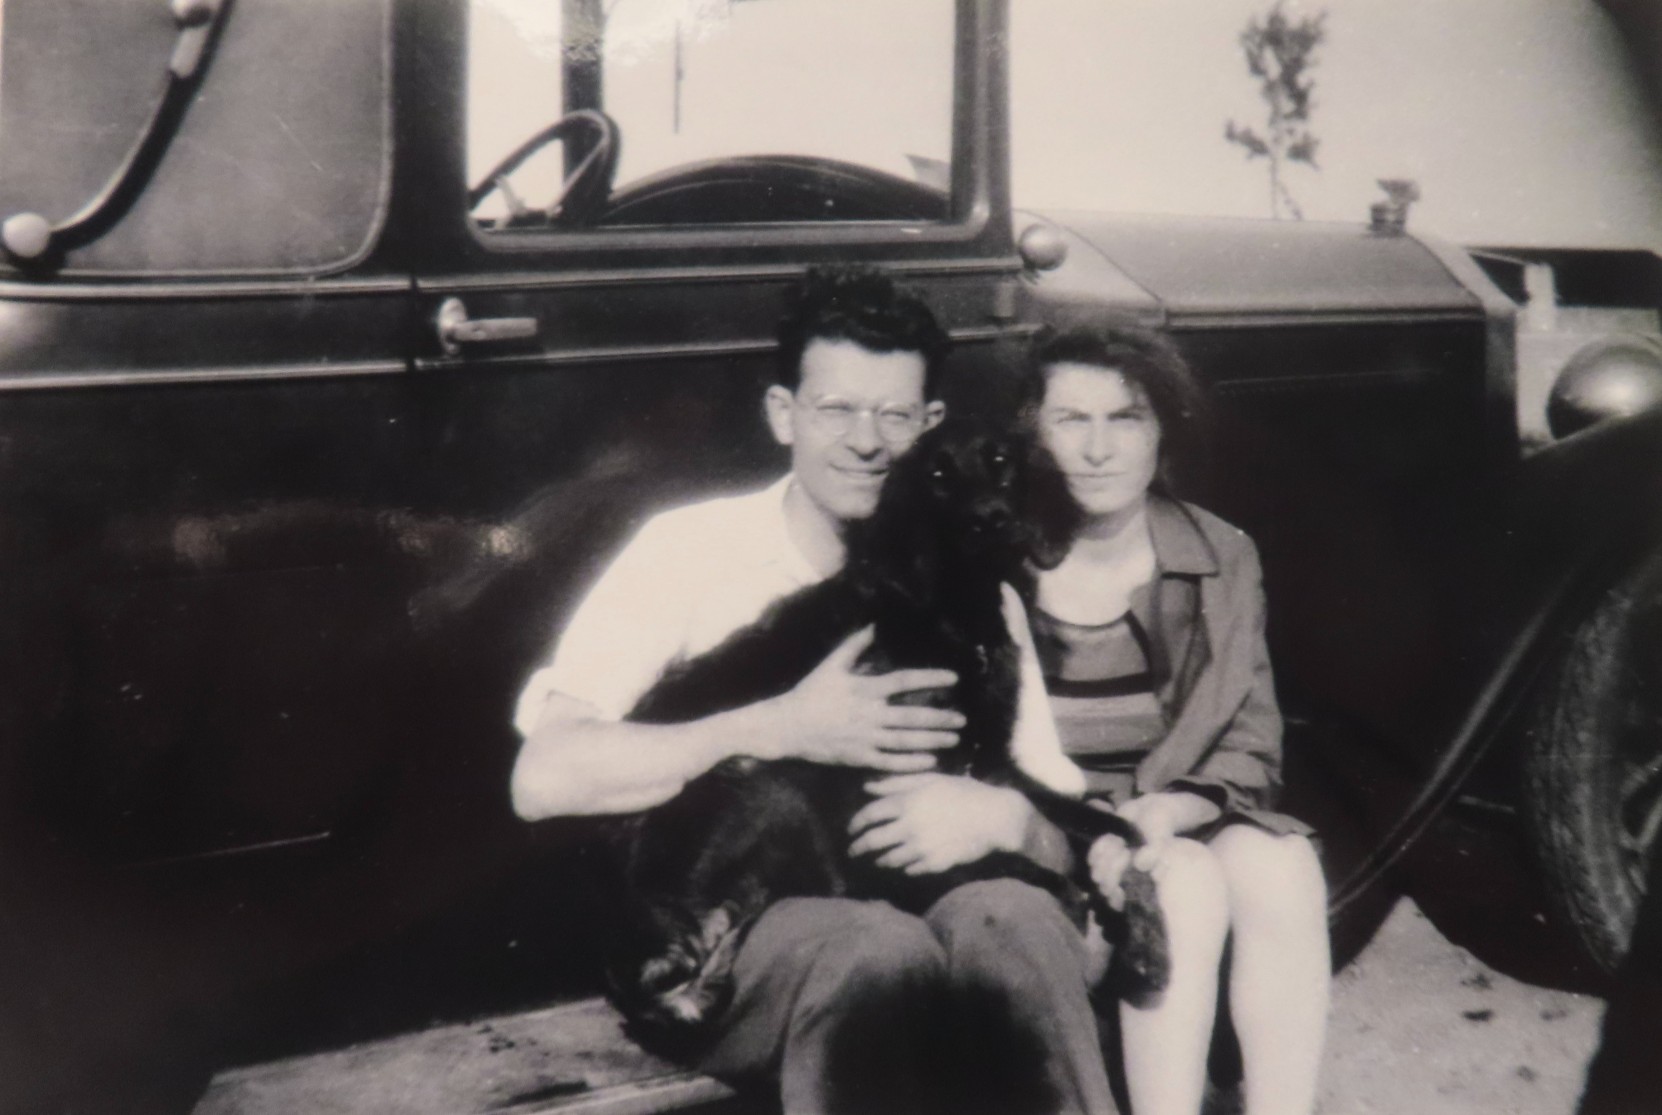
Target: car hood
1206 267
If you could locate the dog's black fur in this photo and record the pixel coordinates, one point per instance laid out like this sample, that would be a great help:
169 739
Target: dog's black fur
926 572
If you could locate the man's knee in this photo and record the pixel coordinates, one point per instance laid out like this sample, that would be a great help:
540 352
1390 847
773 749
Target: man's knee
1003 913
848 996
873 945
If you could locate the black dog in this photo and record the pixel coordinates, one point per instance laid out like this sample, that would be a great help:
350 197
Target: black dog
926 572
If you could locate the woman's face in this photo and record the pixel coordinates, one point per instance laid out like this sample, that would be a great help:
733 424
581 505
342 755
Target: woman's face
1103 433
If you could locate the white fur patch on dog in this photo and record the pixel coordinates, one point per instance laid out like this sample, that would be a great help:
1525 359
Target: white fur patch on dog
1035 745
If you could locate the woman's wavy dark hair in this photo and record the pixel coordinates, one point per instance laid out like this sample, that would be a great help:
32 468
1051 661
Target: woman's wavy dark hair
1151 364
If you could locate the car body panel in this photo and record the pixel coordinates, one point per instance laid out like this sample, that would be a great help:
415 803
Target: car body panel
1239 270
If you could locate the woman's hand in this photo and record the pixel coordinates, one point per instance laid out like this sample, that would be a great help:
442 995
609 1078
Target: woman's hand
926 823
1161 818
1107 860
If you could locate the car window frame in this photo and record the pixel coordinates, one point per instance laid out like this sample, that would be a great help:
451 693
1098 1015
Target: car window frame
979 187
365 249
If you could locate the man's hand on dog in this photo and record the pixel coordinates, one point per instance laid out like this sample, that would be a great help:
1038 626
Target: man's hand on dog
1161 818
926 823
837 716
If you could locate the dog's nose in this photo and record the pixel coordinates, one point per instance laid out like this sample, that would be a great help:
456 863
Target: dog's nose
995 519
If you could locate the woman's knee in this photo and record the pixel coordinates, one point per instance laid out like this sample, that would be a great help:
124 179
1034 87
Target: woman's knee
1192 892
1270 877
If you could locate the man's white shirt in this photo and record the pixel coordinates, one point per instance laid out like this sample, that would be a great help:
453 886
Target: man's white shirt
694 575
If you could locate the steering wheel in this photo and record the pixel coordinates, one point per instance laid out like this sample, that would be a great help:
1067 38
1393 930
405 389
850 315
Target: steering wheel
585 190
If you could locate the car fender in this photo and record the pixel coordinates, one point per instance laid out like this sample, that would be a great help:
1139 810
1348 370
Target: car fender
1580 514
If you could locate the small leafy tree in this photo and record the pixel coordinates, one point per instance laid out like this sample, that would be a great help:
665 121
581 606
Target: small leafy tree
1280 52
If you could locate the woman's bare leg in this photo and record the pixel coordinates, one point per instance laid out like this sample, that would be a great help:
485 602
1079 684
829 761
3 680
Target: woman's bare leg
1278 985
1165 1043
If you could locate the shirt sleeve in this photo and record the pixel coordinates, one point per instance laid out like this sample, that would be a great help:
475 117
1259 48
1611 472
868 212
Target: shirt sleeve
631 625
1242 773
1035 745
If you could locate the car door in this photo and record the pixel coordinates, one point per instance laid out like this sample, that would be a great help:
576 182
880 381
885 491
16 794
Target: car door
205 554
593 351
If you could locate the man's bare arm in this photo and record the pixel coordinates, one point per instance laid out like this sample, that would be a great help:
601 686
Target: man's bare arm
576 762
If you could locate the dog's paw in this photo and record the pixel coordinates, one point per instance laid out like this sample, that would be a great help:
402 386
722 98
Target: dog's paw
717 929
683 1008
671 996
692 980
665 975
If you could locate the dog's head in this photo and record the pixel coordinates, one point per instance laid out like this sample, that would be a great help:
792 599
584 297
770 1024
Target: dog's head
950 508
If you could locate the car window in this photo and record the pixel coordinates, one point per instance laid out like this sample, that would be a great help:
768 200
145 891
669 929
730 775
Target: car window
280 164
725 110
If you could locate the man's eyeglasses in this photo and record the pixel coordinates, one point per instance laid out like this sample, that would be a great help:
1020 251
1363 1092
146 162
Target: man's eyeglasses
895 421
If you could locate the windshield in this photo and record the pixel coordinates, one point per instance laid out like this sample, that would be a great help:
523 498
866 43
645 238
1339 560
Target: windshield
860 82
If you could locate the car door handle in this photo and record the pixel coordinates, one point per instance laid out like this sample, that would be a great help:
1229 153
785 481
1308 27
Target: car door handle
457 329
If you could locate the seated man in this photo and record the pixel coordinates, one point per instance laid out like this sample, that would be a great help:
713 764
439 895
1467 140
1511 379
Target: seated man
832 996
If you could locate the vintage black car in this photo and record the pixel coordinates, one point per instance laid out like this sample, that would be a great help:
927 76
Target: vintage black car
332 368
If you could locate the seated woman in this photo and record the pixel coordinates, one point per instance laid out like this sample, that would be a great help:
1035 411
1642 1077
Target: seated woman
1149 621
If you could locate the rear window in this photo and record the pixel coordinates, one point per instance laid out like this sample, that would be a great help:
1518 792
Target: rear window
280 164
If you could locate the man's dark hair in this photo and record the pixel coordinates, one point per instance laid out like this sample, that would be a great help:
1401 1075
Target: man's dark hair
863 305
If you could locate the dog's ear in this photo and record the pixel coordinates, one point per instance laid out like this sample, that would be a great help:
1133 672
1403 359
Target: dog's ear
1052 514
899 546
906 559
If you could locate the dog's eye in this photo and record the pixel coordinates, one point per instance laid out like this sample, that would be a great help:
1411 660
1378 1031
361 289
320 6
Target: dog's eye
938 473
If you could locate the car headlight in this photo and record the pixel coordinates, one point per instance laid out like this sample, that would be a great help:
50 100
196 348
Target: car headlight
1613 377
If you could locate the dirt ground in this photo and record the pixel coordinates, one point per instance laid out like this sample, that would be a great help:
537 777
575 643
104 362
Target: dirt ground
1420 1026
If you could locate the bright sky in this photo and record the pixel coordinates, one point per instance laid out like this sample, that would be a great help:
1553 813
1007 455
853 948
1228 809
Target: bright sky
1519 118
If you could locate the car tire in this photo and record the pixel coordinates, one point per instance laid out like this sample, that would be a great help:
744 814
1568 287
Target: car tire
1593 765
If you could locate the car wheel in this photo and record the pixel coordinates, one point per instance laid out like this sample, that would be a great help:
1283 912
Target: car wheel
1594 765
